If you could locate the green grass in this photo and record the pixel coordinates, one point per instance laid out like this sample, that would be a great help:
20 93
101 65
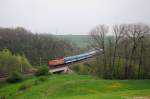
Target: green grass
77 87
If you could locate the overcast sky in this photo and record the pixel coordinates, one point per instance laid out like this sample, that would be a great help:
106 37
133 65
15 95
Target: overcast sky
71 16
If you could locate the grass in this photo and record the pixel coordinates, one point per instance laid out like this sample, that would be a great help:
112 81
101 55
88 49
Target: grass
76 87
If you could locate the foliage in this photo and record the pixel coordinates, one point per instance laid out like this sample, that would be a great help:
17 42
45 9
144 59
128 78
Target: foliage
2 97
10 62
38 48
37 81
24 86
14 77
43 78
42 71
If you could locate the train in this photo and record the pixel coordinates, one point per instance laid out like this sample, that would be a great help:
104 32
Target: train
71 59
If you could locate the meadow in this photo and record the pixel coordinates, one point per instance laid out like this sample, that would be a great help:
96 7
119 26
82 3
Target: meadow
73 86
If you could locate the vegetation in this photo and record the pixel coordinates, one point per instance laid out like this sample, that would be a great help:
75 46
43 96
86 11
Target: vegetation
38 48
14 77
24 86
42 78
76 87
126 54
42 71
10 63
82 68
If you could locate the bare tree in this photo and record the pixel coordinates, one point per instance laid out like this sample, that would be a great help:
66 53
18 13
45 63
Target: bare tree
126 53
118 31
109 55
135 33
143 30
98 35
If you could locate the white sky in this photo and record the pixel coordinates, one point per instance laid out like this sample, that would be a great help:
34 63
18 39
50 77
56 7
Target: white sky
71 16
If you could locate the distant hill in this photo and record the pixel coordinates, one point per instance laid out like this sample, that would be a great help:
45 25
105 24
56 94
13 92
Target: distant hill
80 40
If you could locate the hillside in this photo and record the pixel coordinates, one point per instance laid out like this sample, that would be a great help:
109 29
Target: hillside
80 40
76 87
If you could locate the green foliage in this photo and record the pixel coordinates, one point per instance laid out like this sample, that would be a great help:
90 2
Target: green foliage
37 81
42 71
14 77
10 62
43 78
2 97
24 86
24 62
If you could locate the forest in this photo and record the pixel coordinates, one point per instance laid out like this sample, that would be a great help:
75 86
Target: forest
125 52
22 50
36 47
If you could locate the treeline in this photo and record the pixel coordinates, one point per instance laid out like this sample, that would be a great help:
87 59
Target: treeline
126 54
38 48
10 63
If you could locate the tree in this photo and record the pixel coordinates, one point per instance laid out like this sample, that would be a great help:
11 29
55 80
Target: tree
118 31
35 46
98 35
126 52
10 63
135 33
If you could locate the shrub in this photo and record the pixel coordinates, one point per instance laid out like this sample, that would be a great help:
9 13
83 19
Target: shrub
23 63
36 82
42 78
42 71
82 69
2 97
14 77
24 87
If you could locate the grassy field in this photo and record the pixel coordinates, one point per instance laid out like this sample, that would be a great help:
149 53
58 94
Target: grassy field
77 87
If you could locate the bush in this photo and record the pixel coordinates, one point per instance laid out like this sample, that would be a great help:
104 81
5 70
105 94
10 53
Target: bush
2 97
82 69
40 80
24 86
36 82
43 78
15 77
42 71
